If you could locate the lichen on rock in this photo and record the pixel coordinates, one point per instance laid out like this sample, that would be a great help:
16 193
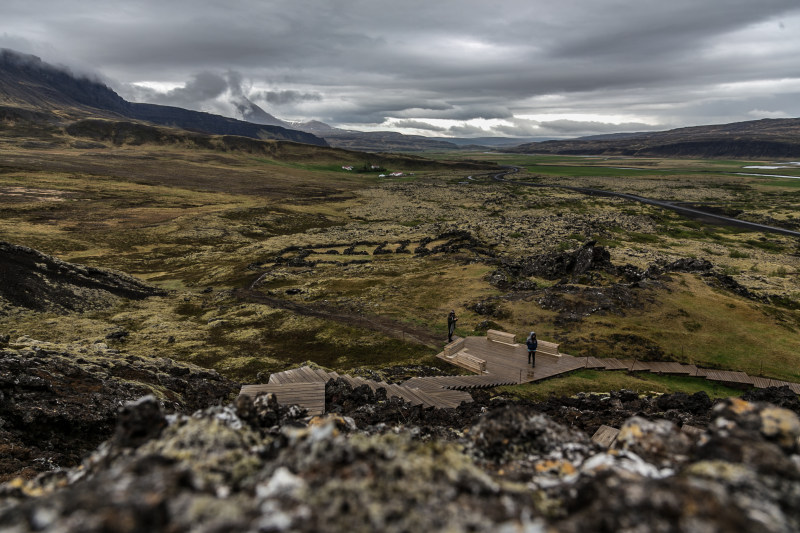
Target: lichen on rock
258 466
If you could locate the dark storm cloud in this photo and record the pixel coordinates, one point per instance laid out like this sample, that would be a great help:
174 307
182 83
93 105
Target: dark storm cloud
467 130
368 61
201 87
417 125
285 97
199 92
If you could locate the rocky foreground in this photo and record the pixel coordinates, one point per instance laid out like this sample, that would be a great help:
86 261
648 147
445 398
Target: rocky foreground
374 464
58 402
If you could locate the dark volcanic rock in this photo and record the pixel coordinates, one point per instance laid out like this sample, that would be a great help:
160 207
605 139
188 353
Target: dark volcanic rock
574 303
212 472
256 468
627 502
512 433
588 412
556 266
659 442
706 269
488 307
698 403
580 263
33 280
266 414
726 282
778 396
689 264
741 477
758 435
139 422
58 402
374 412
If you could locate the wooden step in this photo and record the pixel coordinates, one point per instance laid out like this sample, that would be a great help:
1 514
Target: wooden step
311 396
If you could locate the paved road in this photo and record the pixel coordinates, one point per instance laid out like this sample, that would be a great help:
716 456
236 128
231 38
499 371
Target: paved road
687 211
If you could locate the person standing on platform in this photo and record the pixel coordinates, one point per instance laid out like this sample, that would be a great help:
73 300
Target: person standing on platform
451 325
532 345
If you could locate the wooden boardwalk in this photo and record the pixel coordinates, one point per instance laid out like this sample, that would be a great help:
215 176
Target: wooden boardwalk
505 364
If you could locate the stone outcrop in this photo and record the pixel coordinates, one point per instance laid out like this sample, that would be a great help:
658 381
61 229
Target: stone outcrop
33 280
557 265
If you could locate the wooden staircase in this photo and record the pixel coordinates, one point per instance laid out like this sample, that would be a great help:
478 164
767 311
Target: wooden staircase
304 385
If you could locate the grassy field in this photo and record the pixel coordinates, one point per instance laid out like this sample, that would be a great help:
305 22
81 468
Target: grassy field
205 223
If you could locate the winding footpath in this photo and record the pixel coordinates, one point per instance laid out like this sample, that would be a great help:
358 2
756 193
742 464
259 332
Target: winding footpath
683 210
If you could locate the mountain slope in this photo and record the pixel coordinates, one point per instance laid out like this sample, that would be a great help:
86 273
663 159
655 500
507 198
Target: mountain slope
28 82
369 141
385 141
757 139
253 113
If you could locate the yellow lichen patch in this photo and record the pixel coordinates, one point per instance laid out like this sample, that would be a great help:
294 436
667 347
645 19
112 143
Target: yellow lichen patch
630 433
781 425
561 467
723 470
739 406
337 421
215 451
26 487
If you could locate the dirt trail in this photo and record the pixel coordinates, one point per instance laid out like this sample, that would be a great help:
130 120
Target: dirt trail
390 328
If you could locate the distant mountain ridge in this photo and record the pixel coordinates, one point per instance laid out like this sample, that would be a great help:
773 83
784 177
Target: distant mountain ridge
39 91
755 139
371 141
29 82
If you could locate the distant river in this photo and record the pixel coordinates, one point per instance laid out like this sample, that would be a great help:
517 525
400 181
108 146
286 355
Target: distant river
767 175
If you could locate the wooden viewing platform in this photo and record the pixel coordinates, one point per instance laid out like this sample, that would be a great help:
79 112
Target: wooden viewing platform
509 361
495 363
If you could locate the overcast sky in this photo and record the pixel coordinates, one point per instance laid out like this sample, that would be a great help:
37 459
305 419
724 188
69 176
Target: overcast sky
436 67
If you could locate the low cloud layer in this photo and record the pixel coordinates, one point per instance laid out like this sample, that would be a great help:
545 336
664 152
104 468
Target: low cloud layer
281 98
452 67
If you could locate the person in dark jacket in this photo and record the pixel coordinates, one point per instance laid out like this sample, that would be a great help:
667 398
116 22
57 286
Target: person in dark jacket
532 345
451 325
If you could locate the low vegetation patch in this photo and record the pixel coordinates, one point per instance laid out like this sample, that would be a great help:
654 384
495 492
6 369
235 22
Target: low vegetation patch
301 231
